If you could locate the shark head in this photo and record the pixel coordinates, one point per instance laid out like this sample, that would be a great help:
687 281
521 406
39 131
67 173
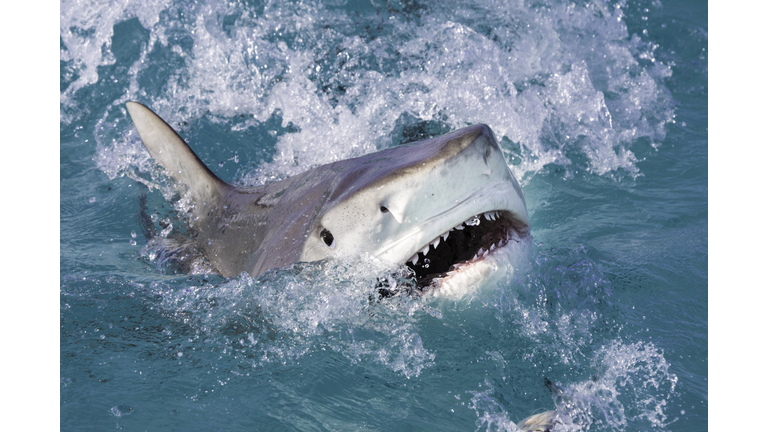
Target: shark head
448 208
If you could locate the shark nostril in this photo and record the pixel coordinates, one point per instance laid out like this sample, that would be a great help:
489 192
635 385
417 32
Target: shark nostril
487 155
384 209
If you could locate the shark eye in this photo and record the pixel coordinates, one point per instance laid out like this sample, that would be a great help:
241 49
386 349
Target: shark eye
327 238
384 209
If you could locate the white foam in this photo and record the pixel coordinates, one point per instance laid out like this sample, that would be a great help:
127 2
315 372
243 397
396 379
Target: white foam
86 29
557 79
554 80
311 307
630 384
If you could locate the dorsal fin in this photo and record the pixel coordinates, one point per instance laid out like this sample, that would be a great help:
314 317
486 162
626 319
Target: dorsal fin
170 151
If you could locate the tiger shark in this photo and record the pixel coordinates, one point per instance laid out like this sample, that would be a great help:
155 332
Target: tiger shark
448 208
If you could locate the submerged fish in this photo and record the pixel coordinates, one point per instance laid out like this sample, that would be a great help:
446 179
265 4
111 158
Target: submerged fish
542 422
448 207
568 414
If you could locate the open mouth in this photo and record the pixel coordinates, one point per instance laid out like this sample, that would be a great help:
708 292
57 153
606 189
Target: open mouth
462 245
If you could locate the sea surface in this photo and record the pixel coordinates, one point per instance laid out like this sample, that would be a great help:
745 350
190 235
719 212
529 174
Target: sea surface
601 108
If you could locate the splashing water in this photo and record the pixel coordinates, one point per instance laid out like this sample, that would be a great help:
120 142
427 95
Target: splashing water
265 90
286 314
636 373
533 73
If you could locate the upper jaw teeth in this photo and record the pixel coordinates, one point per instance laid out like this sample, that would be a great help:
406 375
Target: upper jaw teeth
473 221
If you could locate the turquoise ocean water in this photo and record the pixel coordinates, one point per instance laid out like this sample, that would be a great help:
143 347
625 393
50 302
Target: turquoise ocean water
601 109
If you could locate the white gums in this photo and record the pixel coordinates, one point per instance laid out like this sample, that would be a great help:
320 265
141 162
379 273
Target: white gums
468 276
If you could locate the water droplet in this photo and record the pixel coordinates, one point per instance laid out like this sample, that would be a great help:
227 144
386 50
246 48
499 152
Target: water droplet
121 410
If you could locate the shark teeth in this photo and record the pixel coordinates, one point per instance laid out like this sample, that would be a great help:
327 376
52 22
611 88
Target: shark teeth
442 270
473 221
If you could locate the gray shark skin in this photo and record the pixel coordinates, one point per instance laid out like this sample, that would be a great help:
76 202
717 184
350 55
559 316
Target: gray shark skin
397 205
